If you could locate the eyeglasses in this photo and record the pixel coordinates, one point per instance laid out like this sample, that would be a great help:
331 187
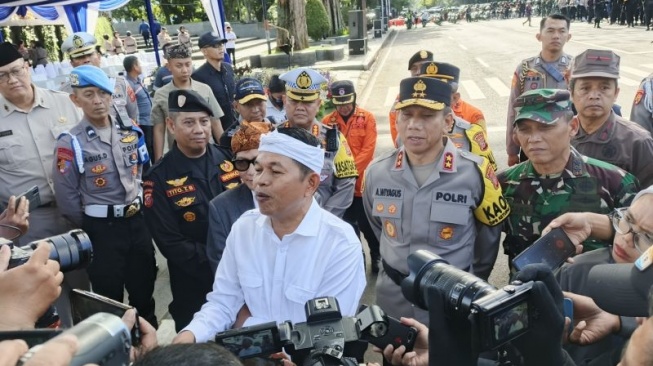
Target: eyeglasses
642 241
242 165
16 72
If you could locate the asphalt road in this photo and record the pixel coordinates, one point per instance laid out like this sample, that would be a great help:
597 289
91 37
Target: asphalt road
487 53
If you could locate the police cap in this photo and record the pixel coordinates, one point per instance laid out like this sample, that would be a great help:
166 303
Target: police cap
440 70
423 91
85 76
420 56
303 84
182 100
79 44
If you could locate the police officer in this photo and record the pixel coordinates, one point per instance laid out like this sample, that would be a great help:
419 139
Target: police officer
97 181
177 191
359 128
338 177
80 47
414 64
430 195
546 70
556 178
603 135
642 111
465 135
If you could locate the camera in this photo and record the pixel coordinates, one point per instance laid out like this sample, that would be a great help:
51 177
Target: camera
73 250
496 316
103 339
326 338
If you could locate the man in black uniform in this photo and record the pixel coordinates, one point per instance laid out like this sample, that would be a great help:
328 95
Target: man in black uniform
177 191
217 74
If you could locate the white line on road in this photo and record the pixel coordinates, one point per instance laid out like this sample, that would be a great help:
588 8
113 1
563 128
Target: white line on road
626 81
391 96
472 89
498 86
377 69
483 63
636 72
463 47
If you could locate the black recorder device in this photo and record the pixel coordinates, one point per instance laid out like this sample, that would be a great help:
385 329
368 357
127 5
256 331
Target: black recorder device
325 332
552 250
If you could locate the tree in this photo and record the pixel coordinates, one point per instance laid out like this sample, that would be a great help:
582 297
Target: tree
292 17
334 12
317 19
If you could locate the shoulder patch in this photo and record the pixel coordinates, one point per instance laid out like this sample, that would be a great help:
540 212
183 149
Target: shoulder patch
493 208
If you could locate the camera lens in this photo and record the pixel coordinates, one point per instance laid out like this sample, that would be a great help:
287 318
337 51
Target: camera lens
429 271
73 250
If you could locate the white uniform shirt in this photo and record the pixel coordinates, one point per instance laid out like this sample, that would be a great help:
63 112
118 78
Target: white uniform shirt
279 116
230 37
276 277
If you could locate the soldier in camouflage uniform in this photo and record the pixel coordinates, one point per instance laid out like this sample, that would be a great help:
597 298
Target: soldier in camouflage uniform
464 134
556 178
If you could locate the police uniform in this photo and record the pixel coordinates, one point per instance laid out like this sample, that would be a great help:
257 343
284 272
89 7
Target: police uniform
338 176
177 191
464 134
124 99
455 213
617 141
97 185
642 111
585 184
419 56
534 73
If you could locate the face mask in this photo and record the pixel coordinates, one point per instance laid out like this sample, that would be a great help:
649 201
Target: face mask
277 102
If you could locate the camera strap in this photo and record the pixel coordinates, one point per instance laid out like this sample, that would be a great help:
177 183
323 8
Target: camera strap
394 275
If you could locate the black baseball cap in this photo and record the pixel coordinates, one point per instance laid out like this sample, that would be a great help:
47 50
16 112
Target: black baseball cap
210 39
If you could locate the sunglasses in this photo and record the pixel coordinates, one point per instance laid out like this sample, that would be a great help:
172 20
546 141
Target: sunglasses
242 165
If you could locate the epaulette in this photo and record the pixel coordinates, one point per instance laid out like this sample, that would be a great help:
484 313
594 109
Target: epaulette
386 155
461 123
469 156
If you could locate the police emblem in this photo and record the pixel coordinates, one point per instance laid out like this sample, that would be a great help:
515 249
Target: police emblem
446 233
181 100
423 54
133 158
379 207
419 88
304 81
189 216
390 229
392 209
227 166
147 198
99 169
491 176
63 165
185 202
480 140
100 182
128 139
639 96
78 41
432 69
74 79
177 182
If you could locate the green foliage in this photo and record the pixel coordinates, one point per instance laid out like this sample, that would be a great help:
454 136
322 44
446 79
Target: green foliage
50 42
317 20
102 27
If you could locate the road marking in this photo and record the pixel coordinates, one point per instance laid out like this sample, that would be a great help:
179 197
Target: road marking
498 86
483 63
391 96
630 70
377 68
472 89
463 47
626 81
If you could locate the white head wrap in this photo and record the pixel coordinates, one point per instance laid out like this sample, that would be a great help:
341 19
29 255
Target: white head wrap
282 144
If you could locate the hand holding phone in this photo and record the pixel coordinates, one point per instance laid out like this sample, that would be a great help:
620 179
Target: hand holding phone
32 195
551 249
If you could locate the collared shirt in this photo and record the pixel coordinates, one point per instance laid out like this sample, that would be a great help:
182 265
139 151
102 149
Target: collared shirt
622 143
142 99
275 277
585 184
163 77
275 115
28 139
223 86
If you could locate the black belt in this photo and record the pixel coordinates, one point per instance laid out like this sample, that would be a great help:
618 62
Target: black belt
394 275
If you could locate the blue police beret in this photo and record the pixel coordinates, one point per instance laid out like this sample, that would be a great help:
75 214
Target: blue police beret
86 75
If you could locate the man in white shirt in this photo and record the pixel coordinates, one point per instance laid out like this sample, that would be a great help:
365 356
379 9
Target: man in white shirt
285 253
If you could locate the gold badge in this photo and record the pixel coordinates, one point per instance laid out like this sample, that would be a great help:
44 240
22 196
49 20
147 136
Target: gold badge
177 182
99 169
423 54
227 166
304 81
432 69
185 202
78 41
189 216
231 185
128 139
446 233
181 100
390 229
379 207
131 211
419 89
100 182
392 209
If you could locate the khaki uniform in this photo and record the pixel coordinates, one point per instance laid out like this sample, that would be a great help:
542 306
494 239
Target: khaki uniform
471 137
27 144
642 111
130 45
117 46
621 143
184 40
123 97
456 214
532 74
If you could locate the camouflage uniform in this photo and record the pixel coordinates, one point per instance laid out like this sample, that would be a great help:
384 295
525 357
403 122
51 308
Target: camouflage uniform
584 185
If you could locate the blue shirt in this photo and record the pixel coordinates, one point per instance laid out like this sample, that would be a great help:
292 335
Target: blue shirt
144 27
163 77
142 99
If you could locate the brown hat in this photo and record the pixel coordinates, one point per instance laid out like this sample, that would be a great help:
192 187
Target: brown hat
596 63
248 136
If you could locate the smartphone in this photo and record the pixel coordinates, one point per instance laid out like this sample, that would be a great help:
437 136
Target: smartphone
332 142
552 249
83 304
248 342
568 307
32 337
32 195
